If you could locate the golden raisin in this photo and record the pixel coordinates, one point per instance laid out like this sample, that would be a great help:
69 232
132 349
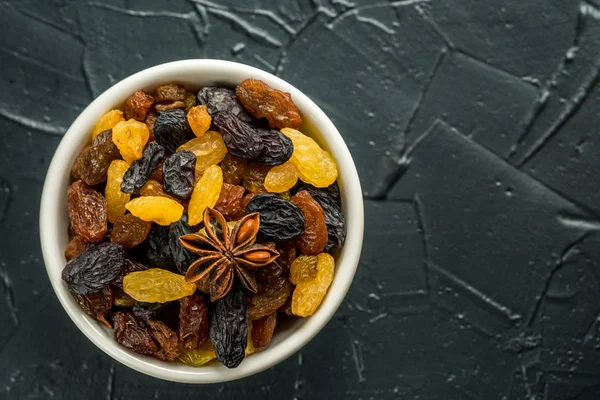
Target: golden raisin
158 209
198 357
130 137
281 178
209 149
199 120
307 296
153 188
206 193
115 199
107 121
157 285
303 269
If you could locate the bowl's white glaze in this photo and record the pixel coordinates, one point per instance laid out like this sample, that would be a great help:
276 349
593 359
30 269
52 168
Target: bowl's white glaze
54 218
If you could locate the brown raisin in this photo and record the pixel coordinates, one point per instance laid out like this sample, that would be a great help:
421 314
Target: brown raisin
149 121
91 165
314 238
190 100
234 169
157 173
263 101
129 231
96 305
133 333
230 201
75 247
287 251
193 321
169 106
254 177
273 291
138 105
167 340
87 212
262 330
171 92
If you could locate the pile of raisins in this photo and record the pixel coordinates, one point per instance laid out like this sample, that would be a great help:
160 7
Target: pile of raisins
146 178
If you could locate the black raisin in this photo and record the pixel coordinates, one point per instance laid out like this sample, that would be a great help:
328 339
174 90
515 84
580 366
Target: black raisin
229 327
218 99
241 138
140 170
178 174
280 219
147 311
171 129
277 148
182 258
158 253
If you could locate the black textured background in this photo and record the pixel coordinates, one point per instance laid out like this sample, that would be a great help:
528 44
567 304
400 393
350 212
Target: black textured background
475 126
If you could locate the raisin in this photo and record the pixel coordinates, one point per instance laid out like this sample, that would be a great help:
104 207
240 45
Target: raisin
242 139
230 201
314 238
115 198
263 101
156 285
167 340
287 251
107 122
287 307
330 200
199 120
133 333
233 169
169 106
190 100
75 247
198 357
303 269
96 267
150 121
141 169
285 195
178 174
138 105
206 193
157 173
209 150
171 129
218 99
171 92
91 165
254 177
269 300
147 311
122 299
129 266
308 295
315 165
262 330
281 178
96 305
130 137
129 231
157 250
203 284
277 148
246 199
87 212
162 210
279 219
153 188
182 258
193 321
229 327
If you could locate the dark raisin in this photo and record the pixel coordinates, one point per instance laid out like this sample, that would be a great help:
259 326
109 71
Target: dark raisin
279 219
96 305
193 321
140 170
181 257
133 333
218 99
277 148
262 330
129 266
171 92
91 165
172 129
178 174
138 105
147 311
158 253
274 289
87 212
229 327
96 267
241 138
166 339
233 169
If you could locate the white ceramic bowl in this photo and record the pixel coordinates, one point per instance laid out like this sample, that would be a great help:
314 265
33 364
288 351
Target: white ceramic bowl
54 218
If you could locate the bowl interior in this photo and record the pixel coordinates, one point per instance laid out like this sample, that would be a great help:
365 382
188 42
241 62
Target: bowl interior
292 335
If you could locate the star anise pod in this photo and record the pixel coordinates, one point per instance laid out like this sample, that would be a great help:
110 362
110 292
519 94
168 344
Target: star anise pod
224 252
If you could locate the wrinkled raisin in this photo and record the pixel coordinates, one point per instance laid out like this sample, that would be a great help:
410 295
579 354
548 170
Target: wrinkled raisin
279 219
190 100
96 267
281 178
171 129
254 177
157 251
147 311
182 257
133 333
91 165
115 198
242 139
169 106
75 247
153 188
162 210
262 330
263 101
178 174
269 300
314 238
198 357
287 251
308 295
129 266
96 305
87 212
276 147
166 339
141 169
138 105
150 121
130 137
233 169
209 150
107 122
129 231
122 299
156 285
171 92
303 269
193 321
218 99
230 201
229 327
199 120
206 193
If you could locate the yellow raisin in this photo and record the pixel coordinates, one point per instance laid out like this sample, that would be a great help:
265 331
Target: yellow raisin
157 285
130 137
209 149
206 193
115 199
303 269
157 209
250 349
307 296
107 121
314 165
281 178
199 120
198 357
154 188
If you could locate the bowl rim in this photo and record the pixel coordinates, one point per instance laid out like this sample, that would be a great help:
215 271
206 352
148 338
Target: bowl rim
54 193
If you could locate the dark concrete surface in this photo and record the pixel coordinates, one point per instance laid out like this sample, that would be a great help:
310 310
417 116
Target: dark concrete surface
475 126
